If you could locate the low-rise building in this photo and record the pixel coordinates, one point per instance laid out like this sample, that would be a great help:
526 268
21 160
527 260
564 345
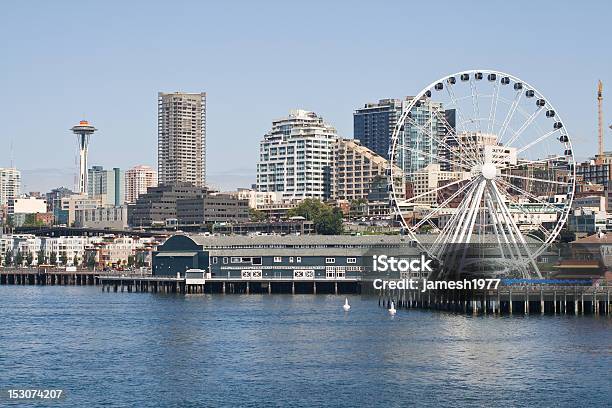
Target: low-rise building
108 217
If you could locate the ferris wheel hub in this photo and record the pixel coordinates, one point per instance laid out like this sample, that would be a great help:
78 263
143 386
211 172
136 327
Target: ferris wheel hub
489 171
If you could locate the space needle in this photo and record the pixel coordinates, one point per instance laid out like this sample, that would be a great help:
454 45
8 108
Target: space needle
83 131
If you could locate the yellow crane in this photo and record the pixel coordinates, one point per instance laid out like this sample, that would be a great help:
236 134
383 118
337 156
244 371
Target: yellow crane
600 117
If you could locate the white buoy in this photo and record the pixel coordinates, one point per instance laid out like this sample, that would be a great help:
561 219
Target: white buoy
346 305
392 310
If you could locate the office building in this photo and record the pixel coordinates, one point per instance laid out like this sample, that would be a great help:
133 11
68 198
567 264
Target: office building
106 185
207 208
27 205
181 145
137 180
106 217
296 156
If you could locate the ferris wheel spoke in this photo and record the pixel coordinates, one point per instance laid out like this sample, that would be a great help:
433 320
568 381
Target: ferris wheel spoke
517 232
454 220
442 205
537 180
435 157
475 105
471 152
411 199
525 125
493 111
510 114
458 111
538 140
528 194
548 159
437 140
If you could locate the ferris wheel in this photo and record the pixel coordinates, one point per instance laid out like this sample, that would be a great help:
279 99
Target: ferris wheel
482 160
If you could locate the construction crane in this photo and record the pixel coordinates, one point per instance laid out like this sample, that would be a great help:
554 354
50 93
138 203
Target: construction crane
600 118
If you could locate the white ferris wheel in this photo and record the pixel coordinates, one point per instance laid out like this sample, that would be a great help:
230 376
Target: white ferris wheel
482 159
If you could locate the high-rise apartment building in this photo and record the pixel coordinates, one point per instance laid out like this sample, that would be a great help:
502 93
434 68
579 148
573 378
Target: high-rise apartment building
181 138
373 126
10 185
296 157
106 185
137 180
355 169
374 123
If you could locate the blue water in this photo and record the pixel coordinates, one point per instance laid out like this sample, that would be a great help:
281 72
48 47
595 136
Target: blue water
150 350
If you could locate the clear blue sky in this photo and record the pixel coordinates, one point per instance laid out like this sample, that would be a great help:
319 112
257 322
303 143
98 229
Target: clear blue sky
106 60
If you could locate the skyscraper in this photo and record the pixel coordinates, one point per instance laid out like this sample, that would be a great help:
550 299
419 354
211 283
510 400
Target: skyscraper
137 180
106 185
10 185
181 138
296 156
374 123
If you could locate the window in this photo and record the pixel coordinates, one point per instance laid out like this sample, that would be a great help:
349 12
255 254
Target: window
290 259
351 260
330 260
214 260
278 259
298 259
225 259
235 259
256 261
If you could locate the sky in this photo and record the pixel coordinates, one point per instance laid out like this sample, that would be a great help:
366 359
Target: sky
105 61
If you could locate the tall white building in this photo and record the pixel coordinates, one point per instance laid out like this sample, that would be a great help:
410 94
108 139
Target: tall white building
296 157
137 180
181 138
10 185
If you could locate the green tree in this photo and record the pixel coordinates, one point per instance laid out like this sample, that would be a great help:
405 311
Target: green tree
8 258
75 260
256 215
131 260
41 258
327 220
19 258
29 258
63 258
90 260
566 236
53 258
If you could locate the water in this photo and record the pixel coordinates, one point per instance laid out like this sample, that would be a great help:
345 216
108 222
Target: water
148 350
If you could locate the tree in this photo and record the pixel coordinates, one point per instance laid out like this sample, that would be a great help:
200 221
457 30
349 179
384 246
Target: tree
63 258
53 258
75 260
256 215
41 258
29 258
90 259
327 220
131 260
19 258
566 236
8 258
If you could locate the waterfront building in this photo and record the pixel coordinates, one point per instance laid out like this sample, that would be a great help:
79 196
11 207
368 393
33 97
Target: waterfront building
591 172
27 205
106 185
296 157
76 202
430 178
159 204
292 226
181 145
355 169
588 221
210 208
256 199
102 217
10 185
307 257
137 180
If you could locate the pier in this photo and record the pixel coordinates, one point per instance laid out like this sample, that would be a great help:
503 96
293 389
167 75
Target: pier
506 300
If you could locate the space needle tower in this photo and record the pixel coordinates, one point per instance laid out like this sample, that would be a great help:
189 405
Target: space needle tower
83 131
